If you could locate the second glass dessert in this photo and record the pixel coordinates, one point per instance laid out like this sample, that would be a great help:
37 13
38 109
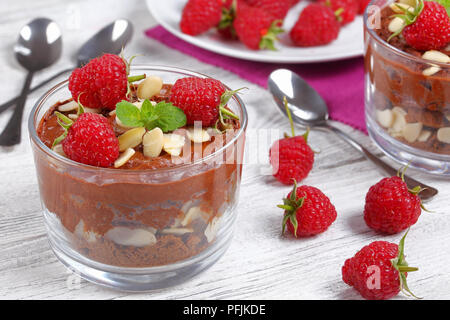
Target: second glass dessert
407 94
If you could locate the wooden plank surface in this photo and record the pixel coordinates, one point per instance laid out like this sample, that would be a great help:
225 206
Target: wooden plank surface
260 264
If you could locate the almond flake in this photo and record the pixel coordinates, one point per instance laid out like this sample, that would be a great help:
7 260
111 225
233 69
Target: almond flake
411 131
149 87
131 138
69 106
436 56
173 141
124 157
153 142
443 135
385 118
431 71
198 135
424 135
177 231
396 24
131 237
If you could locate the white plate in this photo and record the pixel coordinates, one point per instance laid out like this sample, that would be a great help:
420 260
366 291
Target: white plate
349 43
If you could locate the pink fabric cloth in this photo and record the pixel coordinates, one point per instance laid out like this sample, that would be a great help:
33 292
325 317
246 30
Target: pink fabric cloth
340 83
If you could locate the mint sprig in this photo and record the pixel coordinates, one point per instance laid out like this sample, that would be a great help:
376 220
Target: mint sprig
163 115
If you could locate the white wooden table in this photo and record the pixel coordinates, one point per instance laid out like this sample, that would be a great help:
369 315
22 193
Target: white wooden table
260 264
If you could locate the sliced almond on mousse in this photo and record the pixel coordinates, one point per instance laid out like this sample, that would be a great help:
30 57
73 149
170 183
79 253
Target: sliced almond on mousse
131 138
153 142
173 143
177 231
396 25
411 3
151 86
443 135
192 214
69 106
72 106
124 157
437 56
211 229
411 131
431 71
424 136
397 7
198 135
385 118
131 237
399 119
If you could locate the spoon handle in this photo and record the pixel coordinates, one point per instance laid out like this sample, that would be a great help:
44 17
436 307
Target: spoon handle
11 135
14 100
428 191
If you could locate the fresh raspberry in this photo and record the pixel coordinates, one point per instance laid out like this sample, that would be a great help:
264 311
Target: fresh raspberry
317 25
225 27
346 9
255 27
362 5
291 158
91 140
200 15
277 8
101 83
227 3
390 207
431 30
294 2
200 99
378 271
307 211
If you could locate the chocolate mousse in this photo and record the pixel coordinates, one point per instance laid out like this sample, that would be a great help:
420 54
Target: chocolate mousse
147 209
409 88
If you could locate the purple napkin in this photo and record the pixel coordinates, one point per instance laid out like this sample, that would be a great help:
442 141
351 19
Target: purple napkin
340 83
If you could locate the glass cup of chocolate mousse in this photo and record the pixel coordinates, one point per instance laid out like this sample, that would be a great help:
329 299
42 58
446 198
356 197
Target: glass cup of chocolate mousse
153 219
407 91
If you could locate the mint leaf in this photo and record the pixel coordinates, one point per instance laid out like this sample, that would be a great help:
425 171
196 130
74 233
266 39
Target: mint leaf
129 114
445 4
147 109
169 116
163 115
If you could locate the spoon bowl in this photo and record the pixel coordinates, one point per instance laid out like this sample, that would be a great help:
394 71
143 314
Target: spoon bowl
39 45
306 105
111 39
309 109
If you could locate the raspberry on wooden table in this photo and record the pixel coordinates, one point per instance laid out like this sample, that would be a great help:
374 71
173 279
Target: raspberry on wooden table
291 157
307 211
378 271
391 207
